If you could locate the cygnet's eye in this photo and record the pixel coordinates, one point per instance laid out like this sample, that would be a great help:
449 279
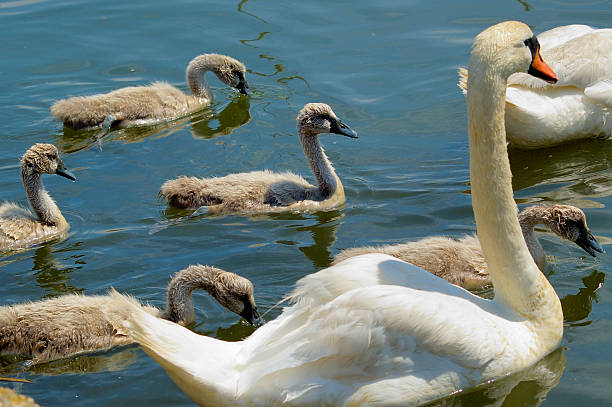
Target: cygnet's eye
51 156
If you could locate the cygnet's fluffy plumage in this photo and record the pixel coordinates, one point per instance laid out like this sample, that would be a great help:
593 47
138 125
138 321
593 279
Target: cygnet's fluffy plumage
462 262
72 324
18 226
160 101
579 105
265 191
10 398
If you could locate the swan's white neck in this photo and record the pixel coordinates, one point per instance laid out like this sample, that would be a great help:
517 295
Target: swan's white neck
322 169
517 280
44 206
196 70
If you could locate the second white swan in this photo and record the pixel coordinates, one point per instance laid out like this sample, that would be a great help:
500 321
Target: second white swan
579 105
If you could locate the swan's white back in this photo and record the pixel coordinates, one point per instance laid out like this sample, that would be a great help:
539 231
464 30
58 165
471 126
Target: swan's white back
579 105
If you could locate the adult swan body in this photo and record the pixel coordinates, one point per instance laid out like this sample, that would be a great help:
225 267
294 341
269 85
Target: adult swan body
379 344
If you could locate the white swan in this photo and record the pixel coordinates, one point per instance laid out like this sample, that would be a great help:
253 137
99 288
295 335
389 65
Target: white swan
578 106
379 344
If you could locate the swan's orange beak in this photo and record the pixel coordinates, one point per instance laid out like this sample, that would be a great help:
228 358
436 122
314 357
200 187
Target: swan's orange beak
540 69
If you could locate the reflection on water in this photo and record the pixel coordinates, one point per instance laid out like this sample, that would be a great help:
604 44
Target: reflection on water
323 233
526 388
233 116
51 275
577 307
236 332
111 361
323 236
564 174
241 10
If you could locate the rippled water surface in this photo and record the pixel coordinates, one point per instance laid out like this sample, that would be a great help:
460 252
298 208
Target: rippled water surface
388 68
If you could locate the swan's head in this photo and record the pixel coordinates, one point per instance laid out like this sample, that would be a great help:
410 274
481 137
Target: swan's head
318 118
44 159
506 48
236 293
230 71
570 223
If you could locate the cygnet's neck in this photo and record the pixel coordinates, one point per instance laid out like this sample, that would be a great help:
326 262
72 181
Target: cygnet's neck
528 219
327 180
517 280
196 70
44 206
180 304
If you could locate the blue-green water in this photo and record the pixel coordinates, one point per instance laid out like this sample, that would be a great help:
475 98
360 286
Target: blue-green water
387 68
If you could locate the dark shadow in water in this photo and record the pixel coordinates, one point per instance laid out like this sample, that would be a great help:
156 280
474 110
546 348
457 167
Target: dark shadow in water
577 307
236 114
51 275
581 169
523 389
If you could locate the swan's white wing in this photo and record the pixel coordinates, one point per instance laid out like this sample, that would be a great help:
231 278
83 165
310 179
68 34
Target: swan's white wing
380 343
365 271
540 117
560 35
601 92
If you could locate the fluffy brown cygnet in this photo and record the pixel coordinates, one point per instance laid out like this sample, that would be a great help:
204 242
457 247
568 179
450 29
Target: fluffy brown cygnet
71 324
266 191
462 262
18 226
160 101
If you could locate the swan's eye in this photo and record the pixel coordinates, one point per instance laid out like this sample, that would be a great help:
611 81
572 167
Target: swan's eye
533 44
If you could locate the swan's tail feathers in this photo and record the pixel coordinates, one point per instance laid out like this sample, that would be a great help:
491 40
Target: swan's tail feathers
463 78
80 112
187 193
199 365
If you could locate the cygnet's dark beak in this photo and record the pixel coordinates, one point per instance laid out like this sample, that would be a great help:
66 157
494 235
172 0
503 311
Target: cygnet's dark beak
251 315
63 171
338 127
588 243
243 85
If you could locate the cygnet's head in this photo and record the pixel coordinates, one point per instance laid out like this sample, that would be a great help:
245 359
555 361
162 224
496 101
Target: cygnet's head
236 293
509 47
320 118
570 223
44 159
230 71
